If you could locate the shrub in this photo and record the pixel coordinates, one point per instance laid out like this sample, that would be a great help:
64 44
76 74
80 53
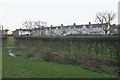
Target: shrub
30 53
62 56
46 54
77 58
108 70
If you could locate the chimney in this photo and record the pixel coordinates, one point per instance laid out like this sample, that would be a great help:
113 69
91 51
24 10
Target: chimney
74 24
51 26
61 25
114 24
89 23
2 27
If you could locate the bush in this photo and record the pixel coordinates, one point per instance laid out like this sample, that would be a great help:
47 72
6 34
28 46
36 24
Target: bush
61 57
108 70
115 34
30 53
46 54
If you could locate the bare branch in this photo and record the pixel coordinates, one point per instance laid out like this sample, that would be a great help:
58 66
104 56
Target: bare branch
106 17
37 23
28 24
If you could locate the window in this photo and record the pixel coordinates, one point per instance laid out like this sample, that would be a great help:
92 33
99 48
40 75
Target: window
115 29
94 29
84 29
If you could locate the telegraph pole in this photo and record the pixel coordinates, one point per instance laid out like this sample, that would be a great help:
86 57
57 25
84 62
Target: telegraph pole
2 30
119 13
119 17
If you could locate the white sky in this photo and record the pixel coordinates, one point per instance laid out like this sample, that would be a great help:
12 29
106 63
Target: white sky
54 12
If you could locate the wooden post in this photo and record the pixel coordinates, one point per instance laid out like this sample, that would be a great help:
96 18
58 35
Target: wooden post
2 30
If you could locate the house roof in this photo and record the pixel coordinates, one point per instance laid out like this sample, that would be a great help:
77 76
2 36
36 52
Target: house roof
71 26
22 29
78 26
47 27
53 27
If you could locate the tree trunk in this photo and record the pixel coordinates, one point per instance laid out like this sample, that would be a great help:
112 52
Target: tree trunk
105 32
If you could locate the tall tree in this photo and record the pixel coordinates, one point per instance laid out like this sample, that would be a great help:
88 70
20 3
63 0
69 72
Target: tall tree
106 18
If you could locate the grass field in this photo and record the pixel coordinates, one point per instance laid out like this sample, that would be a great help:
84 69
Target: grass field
24 68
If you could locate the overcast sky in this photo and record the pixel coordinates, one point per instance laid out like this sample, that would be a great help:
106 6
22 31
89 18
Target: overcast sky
55 12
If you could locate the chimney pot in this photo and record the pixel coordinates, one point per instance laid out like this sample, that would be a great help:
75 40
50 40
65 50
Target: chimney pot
61 24
2 27
89 23
51 26
74 24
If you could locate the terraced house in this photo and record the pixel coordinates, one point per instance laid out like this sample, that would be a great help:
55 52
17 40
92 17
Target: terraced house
73 29
21 32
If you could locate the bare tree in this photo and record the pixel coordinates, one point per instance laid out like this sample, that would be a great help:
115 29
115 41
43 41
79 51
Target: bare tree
41 25
6 32
29 25
38 24
106 18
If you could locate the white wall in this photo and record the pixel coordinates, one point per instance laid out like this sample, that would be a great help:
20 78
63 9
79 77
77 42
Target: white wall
24 32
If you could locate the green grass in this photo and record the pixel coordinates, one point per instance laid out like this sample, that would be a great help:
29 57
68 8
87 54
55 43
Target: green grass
24 68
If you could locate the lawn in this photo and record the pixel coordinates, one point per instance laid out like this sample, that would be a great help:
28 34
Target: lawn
24 68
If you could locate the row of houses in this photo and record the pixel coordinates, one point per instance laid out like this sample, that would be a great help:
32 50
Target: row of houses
66 30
